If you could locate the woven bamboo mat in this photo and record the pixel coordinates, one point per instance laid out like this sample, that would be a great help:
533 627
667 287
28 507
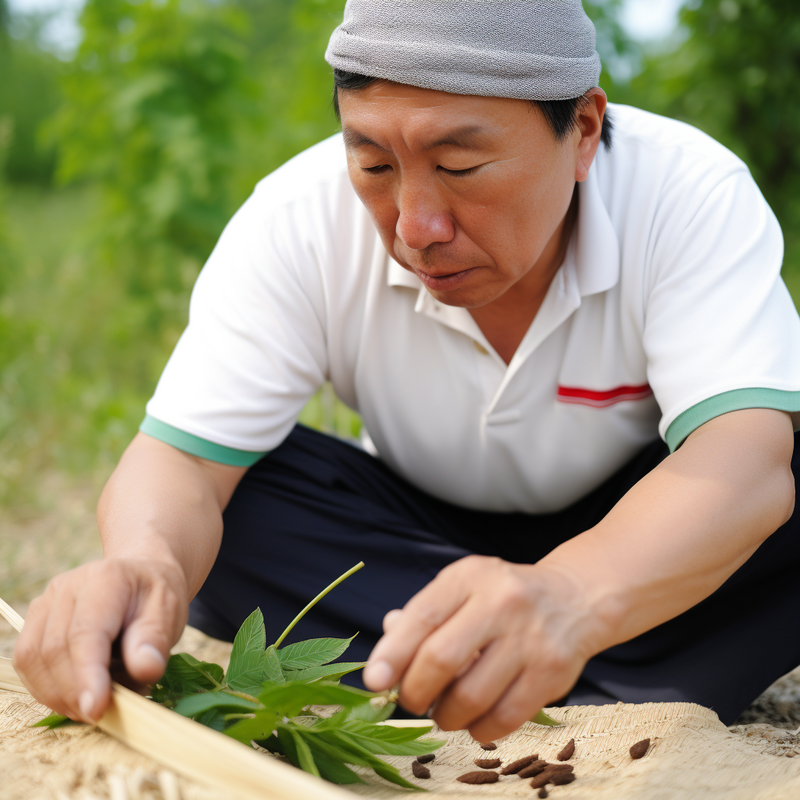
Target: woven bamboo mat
692 756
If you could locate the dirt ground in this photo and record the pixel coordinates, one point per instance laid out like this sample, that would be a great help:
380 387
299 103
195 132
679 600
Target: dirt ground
35 547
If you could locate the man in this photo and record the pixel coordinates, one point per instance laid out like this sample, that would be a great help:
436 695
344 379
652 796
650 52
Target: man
517 310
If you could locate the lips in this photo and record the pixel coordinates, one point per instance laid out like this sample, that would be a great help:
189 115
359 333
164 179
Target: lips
448 280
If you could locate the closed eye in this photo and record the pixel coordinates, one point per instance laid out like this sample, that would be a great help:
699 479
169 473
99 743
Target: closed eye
461 173
376 170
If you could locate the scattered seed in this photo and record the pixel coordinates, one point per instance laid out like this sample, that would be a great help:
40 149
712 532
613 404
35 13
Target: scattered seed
419 770
533 769
567 753
541 780
479 777
542 792
515 766
426 759
640 748
488 745
488 763
561 768
561 777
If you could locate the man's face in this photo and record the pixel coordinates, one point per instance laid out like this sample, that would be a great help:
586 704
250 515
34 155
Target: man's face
469 193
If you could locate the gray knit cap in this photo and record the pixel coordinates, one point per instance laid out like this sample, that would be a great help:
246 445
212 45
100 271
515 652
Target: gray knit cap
527 49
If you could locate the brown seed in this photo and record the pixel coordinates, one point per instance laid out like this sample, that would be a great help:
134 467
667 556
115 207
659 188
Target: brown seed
561 777
419 770
479 777
640 748
515 766
533 769
426 759
561 768
542 792
541 780
488 745
568 751
488 763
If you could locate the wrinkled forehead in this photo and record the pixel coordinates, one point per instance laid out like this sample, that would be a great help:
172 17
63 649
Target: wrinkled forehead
427 119
523 49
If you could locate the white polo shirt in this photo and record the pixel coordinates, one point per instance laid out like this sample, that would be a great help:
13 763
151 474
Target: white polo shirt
668 311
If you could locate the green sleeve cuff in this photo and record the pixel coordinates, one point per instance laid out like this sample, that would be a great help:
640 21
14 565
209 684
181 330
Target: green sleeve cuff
196 446
720 404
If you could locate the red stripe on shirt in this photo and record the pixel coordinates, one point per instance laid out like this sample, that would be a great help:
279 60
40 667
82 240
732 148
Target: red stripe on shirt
590 397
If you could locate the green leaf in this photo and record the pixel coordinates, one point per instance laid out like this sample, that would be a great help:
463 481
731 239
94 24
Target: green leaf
254 730
199 703
370 713
185 675
247 655
312 652
304 758
288 744
272 666
331 672
291 698
385 740
54 721
213 718
386 771
542 719
330 767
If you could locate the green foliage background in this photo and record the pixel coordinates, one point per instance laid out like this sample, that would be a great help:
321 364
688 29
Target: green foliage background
120 165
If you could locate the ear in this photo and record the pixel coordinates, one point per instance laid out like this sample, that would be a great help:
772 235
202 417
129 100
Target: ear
590 126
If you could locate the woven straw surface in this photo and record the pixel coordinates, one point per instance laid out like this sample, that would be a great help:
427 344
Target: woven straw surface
692 755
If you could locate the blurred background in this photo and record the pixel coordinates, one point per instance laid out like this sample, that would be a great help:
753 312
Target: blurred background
130 130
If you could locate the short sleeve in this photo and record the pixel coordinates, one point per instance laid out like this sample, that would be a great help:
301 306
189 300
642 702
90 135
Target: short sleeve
254 350
720 330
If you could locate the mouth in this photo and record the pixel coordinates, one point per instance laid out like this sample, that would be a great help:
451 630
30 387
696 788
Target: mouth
449 280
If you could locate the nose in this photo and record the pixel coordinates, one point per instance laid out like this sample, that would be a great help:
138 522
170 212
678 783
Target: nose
423 219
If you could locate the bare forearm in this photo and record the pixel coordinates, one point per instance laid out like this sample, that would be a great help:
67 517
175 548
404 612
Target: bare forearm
162 503
686 527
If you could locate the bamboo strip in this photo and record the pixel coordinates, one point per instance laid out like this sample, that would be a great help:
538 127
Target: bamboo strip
203 754
9 679
14 619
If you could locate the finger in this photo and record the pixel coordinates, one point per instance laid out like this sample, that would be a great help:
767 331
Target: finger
55 647
156 626
93 629
425 612
445 652
391 619
480 687
521 700
28 661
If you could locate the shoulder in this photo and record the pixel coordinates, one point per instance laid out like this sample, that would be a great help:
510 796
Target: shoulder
661 161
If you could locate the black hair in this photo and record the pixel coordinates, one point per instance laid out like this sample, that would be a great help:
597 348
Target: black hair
561 115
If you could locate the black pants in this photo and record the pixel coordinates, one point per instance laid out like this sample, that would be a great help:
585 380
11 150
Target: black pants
315 506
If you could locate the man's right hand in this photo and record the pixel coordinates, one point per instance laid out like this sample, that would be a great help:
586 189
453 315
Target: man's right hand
64 651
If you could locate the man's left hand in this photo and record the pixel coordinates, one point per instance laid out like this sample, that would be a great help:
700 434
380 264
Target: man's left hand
486 645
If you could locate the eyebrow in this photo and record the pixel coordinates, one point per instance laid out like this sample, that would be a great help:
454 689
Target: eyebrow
467 137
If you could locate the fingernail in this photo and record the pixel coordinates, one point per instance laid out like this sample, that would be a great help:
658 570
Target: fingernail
378 675
149 651
86 704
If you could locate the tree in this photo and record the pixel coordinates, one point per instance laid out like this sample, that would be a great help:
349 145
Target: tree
735 76
153 101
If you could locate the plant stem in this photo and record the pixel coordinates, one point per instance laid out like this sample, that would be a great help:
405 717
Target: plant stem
319 597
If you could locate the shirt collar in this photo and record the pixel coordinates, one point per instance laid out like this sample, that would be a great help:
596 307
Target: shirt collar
596 245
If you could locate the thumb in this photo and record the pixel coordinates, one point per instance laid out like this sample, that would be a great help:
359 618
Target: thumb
148 637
